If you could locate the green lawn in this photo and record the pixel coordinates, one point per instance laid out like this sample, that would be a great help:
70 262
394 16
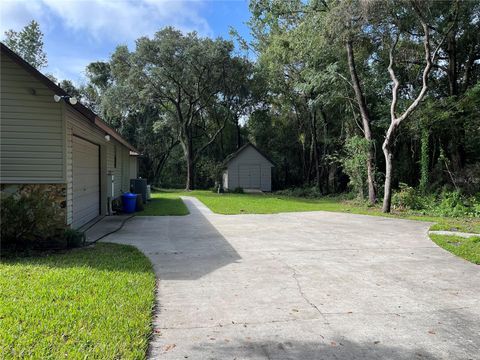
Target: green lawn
93 303
468 249
232 204
164 203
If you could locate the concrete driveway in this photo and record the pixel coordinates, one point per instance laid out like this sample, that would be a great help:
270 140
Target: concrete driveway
313 285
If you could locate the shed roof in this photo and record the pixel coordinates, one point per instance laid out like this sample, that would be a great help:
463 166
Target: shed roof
241 149
86 112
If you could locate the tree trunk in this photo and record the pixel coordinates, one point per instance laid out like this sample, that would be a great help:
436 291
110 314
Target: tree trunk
372 197
239 134
315 150
189 184
388 153
188 151
387 198
452 64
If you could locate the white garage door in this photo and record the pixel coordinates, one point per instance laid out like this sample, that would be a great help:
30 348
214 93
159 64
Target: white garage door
86 181
249 176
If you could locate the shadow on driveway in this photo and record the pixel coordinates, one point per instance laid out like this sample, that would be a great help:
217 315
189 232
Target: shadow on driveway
180 247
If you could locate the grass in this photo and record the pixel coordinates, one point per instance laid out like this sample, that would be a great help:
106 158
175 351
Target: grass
232 204
164 203
93 303
468 249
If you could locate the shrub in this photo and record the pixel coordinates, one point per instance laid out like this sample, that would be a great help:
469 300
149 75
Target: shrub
407 198
303 192
353 163
452 203
28 220
73 238
446 203
238 190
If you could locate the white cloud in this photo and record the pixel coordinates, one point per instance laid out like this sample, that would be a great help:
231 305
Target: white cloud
92 26
15 14
117 20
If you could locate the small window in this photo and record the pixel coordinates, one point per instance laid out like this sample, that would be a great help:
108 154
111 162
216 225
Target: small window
115 156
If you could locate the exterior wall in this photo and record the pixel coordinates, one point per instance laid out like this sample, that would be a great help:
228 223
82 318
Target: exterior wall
133 167
249 157
31 129
57 192
79 126
36 139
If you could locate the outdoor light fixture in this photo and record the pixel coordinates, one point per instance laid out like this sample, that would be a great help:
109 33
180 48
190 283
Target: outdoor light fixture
70 99
107 137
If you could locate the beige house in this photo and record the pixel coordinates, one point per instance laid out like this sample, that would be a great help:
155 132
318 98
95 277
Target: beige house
61 148
248 168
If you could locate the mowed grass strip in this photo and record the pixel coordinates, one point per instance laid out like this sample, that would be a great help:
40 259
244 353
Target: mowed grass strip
89 303
232 204
467 248
164 204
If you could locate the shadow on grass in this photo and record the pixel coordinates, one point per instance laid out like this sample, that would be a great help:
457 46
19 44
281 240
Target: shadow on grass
102 256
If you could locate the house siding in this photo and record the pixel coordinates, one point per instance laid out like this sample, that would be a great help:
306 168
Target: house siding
32 143
249 157
36 136
77 125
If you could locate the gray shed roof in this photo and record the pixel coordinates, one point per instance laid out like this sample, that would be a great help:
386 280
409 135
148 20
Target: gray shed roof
241 149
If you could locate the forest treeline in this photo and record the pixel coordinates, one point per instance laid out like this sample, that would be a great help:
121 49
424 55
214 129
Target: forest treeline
353 96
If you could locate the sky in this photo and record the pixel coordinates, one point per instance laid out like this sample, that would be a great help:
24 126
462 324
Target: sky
78 32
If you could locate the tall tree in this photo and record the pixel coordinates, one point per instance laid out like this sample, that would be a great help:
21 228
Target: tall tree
28 43
185 77
303 30
405 25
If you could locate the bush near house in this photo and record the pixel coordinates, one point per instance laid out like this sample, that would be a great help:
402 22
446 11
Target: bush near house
33 221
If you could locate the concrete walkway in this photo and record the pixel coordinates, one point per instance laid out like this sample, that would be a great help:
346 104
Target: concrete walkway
453 233
312 285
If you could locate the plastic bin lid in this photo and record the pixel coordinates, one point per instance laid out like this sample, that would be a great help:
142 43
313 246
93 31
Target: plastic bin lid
129 195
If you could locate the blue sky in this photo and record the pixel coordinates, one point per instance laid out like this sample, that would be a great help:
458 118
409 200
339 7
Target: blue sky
77 32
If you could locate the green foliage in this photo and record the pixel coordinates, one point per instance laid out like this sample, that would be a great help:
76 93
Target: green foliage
446 203
28 43
353 163
296 101
407 198
29 220
89 303
454 204
237 190
424 161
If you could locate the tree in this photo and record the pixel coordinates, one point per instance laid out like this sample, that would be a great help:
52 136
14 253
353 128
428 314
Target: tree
28 43
311 36
185 77
401 33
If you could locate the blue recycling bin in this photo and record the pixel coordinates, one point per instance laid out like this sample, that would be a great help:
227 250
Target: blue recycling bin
129 202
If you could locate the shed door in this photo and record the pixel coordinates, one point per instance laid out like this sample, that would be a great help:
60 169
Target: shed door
86 181
249 176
